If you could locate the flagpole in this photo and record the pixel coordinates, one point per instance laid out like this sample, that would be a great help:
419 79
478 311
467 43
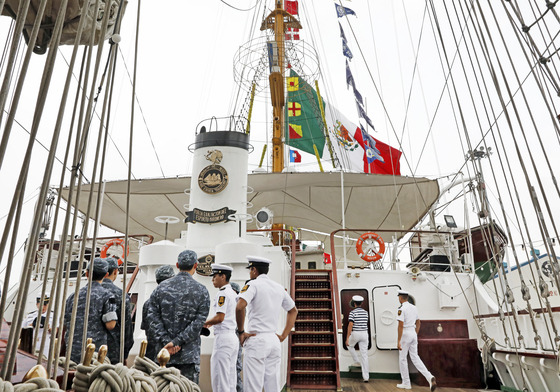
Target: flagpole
278 20
343 217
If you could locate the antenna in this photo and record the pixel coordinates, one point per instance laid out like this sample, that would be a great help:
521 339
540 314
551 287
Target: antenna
167 220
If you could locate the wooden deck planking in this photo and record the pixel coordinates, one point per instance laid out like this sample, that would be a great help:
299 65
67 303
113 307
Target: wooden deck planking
377 385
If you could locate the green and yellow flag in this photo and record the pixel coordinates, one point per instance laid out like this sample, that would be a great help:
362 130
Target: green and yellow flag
304 127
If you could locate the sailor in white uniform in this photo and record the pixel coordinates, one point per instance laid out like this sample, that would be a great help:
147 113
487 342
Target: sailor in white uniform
409 325
223 363
358 334
264 300
37 322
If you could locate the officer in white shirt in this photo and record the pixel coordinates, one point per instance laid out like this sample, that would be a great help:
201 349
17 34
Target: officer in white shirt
263 299
39 321
226 345
409 325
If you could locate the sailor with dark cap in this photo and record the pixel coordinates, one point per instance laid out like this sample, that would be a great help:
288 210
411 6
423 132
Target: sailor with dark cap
409 325
38 323
102 316
358 334
226 345
162 273
114 338
264 300
177 311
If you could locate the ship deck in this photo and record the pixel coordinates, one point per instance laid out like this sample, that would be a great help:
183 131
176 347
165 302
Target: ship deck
378 385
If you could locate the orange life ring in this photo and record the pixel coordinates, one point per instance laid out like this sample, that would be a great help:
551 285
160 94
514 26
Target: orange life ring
367 256
115 242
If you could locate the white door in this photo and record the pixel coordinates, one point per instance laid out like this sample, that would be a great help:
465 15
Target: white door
385 305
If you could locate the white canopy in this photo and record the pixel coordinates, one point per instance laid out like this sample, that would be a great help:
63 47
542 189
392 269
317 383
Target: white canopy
300 200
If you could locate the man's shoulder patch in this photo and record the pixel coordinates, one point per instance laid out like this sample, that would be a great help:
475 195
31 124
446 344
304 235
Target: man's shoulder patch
245 288
221 300
400 311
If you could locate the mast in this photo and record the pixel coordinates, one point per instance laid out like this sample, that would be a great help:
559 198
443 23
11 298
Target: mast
278 21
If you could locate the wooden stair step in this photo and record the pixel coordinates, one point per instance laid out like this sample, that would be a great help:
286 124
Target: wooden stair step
313 332
317 387
312 372
313 300
330 358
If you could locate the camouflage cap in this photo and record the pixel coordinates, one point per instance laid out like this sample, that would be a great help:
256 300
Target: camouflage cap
164 272
100 266
235 287
112 263
186 259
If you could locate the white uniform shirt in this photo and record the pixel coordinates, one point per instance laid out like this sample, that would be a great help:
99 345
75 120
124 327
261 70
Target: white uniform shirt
264 298
31 321
225 303
408 314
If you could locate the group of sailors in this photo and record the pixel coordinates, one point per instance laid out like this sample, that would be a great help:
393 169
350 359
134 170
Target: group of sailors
176 314
104 315
408 325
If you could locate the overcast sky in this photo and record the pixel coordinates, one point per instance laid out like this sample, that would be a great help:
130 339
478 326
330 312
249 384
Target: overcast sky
186 74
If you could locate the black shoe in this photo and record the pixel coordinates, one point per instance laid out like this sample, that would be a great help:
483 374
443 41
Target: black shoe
433 384
366 380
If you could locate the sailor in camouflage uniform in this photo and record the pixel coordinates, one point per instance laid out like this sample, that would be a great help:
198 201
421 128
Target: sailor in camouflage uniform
102 312
177 311
162 273
114 337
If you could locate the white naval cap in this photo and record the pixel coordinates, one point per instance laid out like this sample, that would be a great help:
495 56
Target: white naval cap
357 298
221 269
402 292
255 261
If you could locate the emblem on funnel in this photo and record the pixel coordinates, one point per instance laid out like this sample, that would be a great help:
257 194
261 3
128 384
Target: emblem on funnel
214 178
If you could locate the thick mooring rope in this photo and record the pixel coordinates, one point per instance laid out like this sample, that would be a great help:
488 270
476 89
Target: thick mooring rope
38 384
171 380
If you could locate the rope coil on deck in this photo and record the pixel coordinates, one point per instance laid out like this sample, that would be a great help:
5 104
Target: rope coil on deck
6 386
116 378
171 380
38 384
144 365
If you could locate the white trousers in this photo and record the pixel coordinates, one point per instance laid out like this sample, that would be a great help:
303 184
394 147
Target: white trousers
261 363
360 337
223 363
409 345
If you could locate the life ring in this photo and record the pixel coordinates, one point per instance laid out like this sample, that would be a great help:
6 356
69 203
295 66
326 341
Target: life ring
367 256
114 242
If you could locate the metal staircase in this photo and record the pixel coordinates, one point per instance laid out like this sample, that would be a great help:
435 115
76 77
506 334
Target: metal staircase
313 351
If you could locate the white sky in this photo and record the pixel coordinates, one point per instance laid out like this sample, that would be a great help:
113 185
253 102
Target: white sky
185 75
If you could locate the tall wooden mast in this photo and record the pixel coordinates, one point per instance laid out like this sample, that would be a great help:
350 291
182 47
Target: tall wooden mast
278 21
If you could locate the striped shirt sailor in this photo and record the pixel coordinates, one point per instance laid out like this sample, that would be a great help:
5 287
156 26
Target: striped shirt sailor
359 317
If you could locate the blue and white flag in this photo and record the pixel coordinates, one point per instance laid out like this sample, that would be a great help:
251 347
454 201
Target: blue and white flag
341 11
349 77
342 35
346 50
358 96
362 113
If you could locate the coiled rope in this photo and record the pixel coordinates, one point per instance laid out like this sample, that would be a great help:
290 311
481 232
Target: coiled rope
171 380
36 380
105 377
166 379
